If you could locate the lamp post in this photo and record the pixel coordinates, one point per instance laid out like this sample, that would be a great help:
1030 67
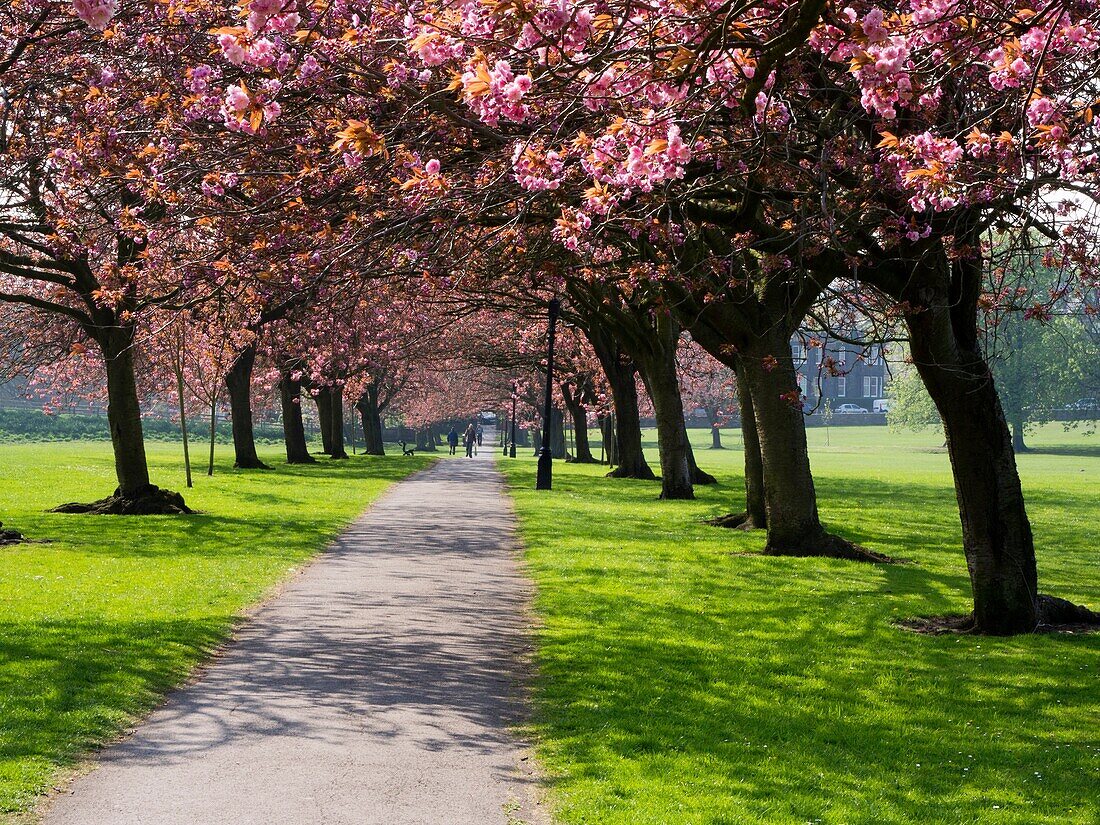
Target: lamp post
545 478
512 449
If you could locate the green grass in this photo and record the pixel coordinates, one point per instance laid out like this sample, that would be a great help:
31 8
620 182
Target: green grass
680 681
98 624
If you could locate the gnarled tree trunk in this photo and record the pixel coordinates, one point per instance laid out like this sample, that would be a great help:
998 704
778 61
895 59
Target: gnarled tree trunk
238 380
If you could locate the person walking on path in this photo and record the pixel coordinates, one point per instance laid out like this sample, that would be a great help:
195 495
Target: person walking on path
479 434
470 440
452 440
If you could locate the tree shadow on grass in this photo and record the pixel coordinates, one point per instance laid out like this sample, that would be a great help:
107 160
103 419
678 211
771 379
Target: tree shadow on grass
681 683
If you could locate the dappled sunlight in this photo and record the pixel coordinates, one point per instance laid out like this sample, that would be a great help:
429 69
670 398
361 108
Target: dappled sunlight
684 678
115 610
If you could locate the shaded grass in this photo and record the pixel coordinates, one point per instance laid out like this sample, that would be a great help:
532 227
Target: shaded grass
98 624
680 682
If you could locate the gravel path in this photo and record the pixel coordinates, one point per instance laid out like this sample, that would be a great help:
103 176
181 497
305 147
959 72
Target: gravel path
377 687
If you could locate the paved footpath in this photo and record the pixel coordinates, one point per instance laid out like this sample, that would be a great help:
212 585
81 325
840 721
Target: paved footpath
378 687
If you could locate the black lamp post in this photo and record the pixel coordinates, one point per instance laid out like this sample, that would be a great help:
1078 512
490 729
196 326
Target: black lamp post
545 477
512 450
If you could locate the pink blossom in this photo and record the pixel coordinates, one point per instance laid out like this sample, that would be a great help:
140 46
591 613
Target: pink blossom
232 49
96 13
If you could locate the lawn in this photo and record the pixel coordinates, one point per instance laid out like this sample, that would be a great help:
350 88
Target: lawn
98 624
682 679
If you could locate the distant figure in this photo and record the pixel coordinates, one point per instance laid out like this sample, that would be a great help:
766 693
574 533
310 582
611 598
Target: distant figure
470 439
479 434
452 440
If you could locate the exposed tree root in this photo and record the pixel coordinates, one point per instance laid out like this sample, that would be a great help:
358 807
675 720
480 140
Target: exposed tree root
1054 616
702 477
251 465
151 501
1060 615
678 495
644 475
569 459
735 521
308 460
10 536
826 545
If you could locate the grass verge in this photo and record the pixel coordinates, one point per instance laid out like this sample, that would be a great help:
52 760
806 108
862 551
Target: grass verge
680 681
98 624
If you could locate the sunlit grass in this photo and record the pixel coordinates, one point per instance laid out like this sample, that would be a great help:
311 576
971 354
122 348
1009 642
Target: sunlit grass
96 625
680 681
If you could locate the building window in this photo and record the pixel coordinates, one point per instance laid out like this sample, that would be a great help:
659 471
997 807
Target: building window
872 386
841 387
802 384
796 352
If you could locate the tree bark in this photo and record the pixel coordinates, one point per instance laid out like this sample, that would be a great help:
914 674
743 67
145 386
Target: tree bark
790 500
294 432
124 412
323 399
997 538
557 433
336 422
663 386
610 445
698 475
1018 444
372 421
755 511
583 452
621 374
238 380
213 433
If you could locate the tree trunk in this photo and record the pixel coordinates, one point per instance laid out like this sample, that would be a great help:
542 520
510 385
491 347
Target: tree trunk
583 452
997 539
1018 444
372 421
557 433
755 512
324 418
213 433
238 380
336 422
620 374
663 385
294 433
610 444
698 475
790 500
178 365
124 413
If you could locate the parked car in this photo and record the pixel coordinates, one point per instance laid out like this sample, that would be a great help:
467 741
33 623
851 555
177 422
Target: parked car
882 405
1084 404
848 409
